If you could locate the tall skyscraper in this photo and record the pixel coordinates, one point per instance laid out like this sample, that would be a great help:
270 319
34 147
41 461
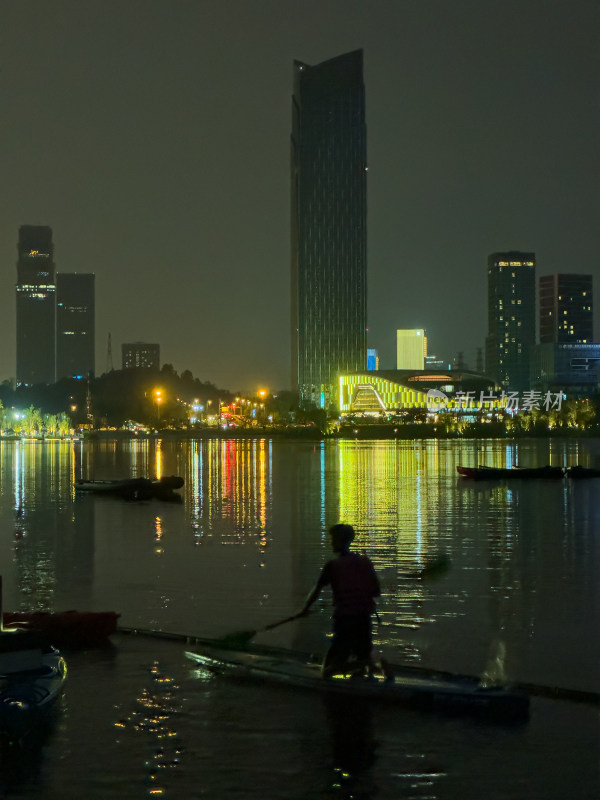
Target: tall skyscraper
35 289
411 348
566 309
137 355
75 325
328 226
511 318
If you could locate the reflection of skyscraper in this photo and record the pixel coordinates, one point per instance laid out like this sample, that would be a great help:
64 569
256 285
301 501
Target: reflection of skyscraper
566 311
511 317
75 311
36 361
328 226
53 547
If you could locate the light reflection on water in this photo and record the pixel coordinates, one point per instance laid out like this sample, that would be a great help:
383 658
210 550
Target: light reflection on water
243 549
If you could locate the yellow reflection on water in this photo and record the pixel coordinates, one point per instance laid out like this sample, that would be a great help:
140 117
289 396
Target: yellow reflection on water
231 479
158 459
158 534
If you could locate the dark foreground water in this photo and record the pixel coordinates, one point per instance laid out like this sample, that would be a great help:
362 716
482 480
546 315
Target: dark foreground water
241 550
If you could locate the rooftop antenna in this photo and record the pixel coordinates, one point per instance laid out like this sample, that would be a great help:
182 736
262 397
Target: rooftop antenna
109 360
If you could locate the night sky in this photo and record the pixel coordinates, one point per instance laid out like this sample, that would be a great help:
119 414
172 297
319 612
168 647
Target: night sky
153 137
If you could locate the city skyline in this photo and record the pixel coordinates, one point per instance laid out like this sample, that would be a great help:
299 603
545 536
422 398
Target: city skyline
168 177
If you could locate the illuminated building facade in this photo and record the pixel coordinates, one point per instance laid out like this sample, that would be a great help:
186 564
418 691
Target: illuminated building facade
511 318
372 360
75 325
566 309
328 226
36 295
389 391
411 348
140 355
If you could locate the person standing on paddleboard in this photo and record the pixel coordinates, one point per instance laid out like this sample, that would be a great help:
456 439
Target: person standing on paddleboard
355 586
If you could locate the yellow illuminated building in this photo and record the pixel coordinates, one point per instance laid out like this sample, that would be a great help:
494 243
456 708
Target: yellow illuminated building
411 348
398 390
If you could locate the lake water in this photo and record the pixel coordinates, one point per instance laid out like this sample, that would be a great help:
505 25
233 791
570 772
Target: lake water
241 550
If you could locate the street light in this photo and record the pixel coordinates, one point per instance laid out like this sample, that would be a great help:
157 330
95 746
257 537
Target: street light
158 398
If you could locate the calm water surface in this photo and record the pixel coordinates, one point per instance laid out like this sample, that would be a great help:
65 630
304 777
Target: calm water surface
241 550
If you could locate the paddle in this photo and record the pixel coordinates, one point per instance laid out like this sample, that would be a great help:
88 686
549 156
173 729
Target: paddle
241 639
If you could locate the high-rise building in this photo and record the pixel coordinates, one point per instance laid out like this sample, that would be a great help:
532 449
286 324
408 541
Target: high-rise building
140 355
411 348
566 309
328 226
35 289
511 318
75 325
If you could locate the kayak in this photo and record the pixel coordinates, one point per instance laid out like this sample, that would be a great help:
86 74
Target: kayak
69 629
421 689
31 680
510 473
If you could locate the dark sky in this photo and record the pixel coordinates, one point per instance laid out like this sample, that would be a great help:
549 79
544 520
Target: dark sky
153 137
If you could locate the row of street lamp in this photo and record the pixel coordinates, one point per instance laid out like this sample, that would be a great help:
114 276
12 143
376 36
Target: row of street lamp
197 408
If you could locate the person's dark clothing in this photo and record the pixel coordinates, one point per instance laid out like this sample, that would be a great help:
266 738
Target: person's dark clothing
353 582
354 586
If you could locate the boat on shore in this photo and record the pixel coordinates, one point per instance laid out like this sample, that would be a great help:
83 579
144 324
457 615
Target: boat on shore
510 473
426 690
32 677
133 488
72 630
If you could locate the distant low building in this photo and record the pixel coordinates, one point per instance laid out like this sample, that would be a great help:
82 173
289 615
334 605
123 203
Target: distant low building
372 360
433 362
572 369
140 355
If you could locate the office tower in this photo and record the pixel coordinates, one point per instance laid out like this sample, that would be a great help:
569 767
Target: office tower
35 290
328 226
140 355
411 348
511 318
75 325
566 310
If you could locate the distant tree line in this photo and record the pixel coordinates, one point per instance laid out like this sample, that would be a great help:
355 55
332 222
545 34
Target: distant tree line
116 396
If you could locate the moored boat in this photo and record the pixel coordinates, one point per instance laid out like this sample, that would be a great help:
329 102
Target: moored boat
419 689
510 473
68 629
32 677
128 488
132 488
